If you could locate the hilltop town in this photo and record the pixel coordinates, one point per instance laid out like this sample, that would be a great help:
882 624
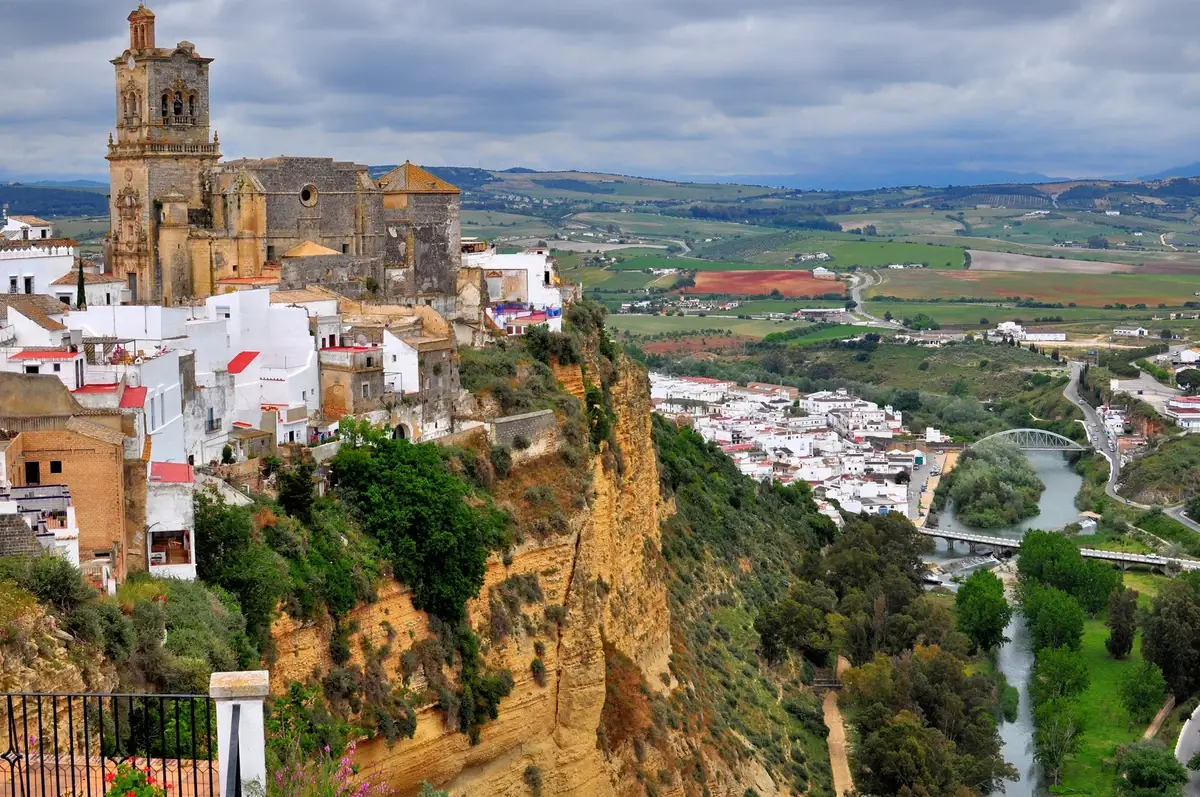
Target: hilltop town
240 311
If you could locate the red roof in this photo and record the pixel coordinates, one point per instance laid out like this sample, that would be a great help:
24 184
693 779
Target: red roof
242 425
134 398
89 389
248 281
45 355
171 473
239 363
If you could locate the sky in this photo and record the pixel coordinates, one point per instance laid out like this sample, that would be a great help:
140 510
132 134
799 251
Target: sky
817 88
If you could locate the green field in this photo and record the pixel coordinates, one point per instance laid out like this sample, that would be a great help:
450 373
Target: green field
846 250
1105 723
765 306
650 224
1093 290
88 230
616 188
840 332
654 325
969 315
489 225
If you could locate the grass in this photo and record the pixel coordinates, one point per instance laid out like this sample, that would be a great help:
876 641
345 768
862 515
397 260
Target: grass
1146 584
845 249
684 264
1105 723
765 306
968 315
898 366
654 325
1092 290
840 332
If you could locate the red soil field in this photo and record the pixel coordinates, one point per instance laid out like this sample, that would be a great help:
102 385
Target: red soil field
697 343
761 283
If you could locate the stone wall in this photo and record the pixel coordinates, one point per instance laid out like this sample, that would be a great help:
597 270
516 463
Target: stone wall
345 274
538 429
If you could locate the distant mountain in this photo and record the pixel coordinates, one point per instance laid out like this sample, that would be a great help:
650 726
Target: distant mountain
519 170
869 179
1191 170
69 184
47 202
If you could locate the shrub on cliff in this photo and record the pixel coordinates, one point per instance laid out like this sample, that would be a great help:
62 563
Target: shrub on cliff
435 536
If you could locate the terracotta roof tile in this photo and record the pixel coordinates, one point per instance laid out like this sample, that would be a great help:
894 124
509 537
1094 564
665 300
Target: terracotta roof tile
408 178
89 278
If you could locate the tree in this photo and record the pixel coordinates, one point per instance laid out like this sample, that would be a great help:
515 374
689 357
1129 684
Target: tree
1055 618
1143 690
1148 769
227 455
80 293
903 757
1121 622
1056 737
1169 638
1097 242
296 491
1058 673
1189 380
887 316
983 322
418 510
982 610
1093 583
798 622
1166 334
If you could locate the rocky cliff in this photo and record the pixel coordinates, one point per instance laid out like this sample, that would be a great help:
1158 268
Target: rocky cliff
604 571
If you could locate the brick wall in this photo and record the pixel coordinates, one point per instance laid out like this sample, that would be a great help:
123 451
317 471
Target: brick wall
93 471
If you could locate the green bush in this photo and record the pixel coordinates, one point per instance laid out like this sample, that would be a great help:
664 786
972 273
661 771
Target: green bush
501 461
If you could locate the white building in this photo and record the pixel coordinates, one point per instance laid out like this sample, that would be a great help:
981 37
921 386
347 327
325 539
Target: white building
1130 332
98 289
1184 411
33 266
520 286
171 521
25 228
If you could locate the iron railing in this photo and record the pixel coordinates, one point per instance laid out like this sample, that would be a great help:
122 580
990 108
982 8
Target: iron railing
66 744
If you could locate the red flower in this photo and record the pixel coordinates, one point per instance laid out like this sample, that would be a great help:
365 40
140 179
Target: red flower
110 777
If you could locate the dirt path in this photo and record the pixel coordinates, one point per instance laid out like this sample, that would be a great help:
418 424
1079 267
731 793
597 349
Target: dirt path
1152 731
838 761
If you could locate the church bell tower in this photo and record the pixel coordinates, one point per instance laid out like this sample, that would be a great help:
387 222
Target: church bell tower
160 162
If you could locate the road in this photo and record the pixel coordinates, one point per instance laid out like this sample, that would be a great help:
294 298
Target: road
858 282
1097 434
1163 240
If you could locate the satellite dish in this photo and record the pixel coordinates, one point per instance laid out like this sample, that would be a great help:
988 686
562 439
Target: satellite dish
361 340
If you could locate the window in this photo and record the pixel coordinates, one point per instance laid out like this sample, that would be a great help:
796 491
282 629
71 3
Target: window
164 107
345 249
108 298
65 298
45 233
29 284
33 473
153 415
270 254
55 466
370 362
191 105
366 390
57 368
308 195
177 106
393 358
12 285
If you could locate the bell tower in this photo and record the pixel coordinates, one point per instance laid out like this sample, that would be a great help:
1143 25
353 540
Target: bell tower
163 146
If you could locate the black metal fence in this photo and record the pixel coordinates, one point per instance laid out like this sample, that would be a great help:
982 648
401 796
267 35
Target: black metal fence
66 744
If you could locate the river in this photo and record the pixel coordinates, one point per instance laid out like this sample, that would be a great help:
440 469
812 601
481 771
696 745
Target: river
1014 658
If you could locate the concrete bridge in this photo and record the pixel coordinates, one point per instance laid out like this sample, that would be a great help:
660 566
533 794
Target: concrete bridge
1036 440
1124 560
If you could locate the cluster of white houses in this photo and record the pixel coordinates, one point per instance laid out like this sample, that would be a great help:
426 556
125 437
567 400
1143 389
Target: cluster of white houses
839 444
109 409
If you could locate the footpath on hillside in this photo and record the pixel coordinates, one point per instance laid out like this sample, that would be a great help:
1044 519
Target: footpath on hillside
839 761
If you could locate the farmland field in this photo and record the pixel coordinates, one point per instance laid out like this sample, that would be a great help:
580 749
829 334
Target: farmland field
1004 261
668 226
761 283
969 315
1091 289
639 263
655 325
846 250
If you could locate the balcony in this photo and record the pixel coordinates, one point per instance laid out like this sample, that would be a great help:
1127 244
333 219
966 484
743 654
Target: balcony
117 149
179 120
213 425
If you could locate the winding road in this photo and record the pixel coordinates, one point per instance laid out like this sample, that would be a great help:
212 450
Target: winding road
860 281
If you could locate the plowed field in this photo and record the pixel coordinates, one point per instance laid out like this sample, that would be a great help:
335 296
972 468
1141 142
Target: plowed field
761 283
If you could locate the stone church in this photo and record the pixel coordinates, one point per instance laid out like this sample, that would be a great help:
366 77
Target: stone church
185 224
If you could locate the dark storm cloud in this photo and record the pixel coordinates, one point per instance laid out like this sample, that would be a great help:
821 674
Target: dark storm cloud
650 86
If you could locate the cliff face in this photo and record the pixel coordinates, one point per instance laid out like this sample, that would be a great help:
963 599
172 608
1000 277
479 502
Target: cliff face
604 570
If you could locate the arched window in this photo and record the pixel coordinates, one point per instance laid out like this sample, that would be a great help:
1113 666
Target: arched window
165 112
178 104
125 103
191 105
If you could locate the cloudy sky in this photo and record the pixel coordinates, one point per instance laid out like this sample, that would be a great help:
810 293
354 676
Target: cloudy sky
662 87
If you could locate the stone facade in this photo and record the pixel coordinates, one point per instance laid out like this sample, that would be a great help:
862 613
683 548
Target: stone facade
182 220
539 430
